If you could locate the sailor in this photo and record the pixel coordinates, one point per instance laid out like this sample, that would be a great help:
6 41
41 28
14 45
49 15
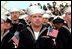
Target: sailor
46 19
63 38
35 35
68 17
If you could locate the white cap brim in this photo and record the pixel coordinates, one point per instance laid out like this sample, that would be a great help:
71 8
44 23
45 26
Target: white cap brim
4 17
34 9
23 16
14 9
46 16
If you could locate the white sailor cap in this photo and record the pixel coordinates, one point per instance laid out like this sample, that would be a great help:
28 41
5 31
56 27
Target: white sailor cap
23 17
58 17
46 15
68 9
34 9
61 17
7 13
9 17
14 9
3 17
55 17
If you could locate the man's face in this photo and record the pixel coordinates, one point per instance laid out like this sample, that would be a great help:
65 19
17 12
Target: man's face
36 19
7 25
46 20
68 17
15 15
58 25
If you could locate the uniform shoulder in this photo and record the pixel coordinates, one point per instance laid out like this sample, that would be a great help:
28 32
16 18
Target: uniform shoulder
24 28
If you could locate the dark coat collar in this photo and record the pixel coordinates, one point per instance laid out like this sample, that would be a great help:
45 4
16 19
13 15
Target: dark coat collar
41 31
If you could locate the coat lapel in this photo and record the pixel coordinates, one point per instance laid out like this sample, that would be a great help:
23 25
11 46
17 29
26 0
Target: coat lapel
41 31
31 32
